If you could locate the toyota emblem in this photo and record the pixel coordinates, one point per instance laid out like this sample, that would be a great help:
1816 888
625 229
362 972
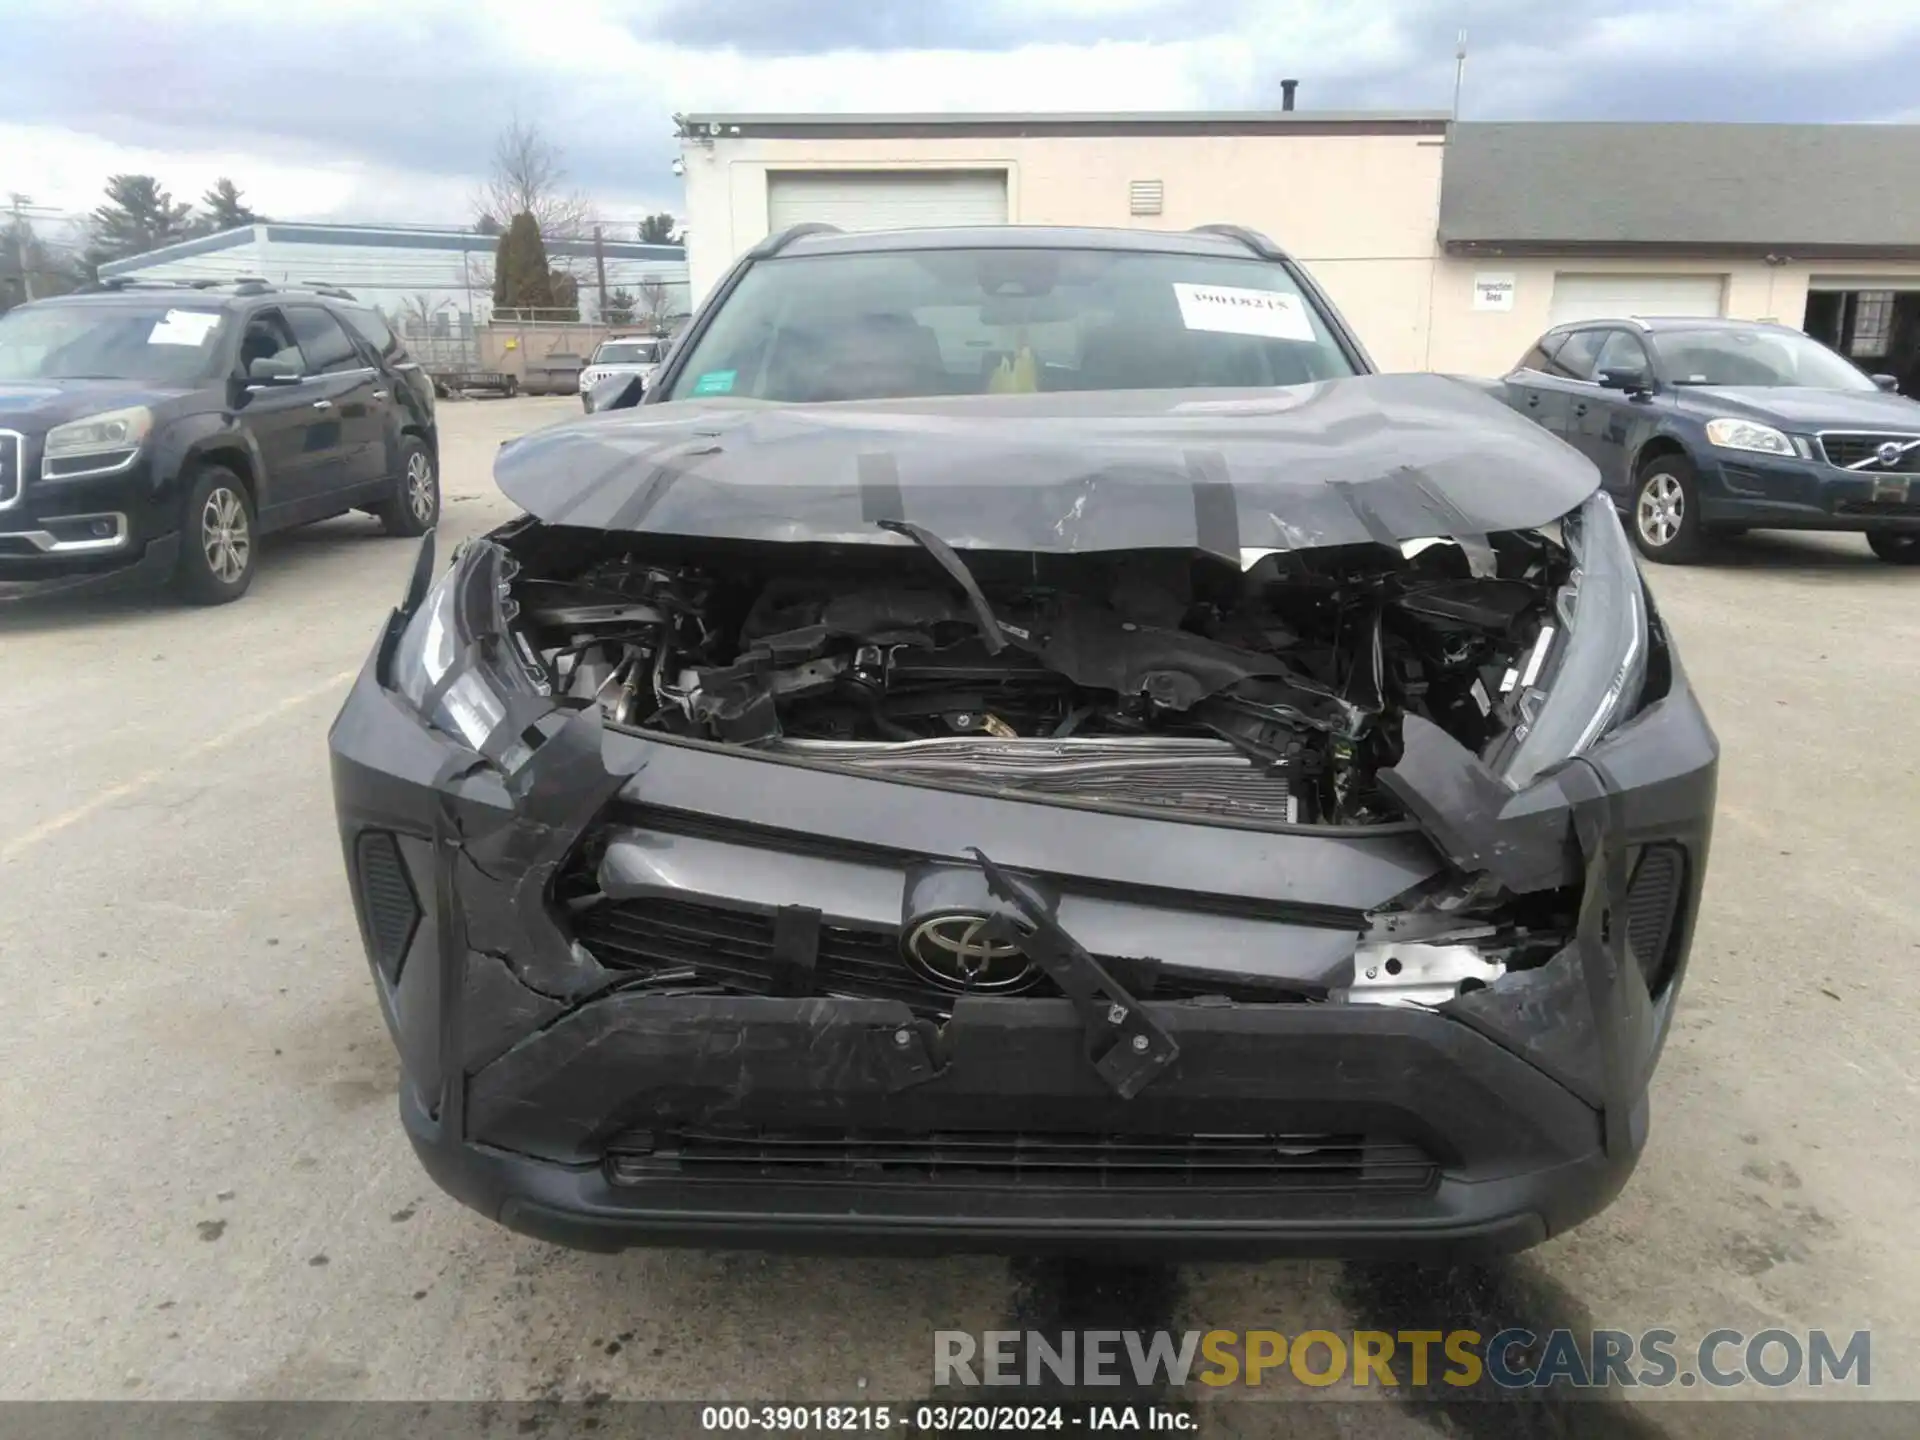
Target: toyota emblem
956 953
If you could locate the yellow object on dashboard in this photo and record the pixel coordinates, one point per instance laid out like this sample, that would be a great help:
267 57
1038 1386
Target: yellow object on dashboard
1019 375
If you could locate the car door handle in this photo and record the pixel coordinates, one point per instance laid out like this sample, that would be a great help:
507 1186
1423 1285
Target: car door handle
323 404
379 394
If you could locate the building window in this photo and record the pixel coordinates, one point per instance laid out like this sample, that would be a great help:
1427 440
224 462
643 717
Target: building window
1872 323
1144 197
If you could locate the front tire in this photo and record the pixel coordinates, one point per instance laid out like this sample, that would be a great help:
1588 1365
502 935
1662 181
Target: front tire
1665 519
218 539
1895 547
415 506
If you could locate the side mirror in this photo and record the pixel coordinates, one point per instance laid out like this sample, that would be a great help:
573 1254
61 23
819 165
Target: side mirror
616 392
1888 383
264 371
1631 381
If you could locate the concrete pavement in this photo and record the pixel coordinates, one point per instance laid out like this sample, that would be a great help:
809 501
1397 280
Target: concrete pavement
208 1195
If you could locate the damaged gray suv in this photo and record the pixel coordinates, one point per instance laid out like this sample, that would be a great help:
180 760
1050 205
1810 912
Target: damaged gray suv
1020 740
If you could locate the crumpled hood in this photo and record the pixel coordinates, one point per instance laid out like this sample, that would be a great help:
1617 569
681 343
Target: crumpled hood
1380 457
1805 409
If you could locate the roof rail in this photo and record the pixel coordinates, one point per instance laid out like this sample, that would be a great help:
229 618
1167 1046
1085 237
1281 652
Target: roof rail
1252 239
774 244
141 282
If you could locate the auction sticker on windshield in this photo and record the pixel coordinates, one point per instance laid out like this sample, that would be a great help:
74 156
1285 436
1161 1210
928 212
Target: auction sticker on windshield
715 382
183 327
1234 311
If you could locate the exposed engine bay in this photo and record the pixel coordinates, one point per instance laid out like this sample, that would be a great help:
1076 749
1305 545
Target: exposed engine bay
1148 679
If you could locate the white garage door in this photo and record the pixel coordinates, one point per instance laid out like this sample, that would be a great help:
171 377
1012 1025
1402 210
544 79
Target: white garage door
1602 297
886 199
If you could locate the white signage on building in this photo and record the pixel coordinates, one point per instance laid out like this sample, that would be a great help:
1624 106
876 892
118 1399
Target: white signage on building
1493 290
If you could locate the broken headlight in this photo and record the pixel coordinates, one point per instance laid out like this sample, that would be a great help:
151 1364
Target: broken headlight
1584 673
446 666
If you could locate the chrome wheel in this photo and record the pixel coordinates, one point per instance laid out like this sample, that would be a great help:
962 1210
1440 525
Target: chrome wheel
224 535
1661 511
420 488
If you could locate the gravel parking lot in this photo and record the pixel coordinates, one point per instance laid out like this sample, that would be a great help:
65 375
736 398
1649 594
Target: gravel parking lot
209 1195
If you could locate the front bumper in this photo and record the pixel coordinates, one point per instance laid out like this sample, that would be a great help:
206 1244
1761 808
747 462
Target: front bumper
1768 493
92 527
543 1094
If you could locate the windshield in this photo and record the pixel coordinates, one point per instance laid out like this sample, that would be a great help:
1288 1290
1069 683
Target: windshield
1753 357
627 352
159 344
970 322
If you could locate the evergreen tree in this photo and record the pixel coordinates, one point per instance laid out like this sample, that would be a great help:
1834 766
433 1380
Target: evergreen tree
657 230
522 281
223 209
139 216
566 296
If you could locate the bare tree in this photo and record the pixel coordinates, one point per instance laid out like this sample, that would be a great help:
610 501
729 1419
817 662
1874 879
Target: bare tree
656 304
529 174
416 315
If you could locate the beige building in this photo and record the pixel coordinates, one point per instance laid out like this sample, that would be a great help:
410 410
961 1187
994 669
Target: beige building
1448 247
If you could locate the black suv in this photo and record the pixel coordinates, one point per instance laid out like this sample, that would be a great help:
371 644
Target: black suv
1705 427
156 431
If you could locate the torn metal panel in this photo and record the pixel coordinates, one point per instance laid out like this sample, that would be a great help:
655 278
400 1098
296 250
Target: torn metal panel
504 875
1523 840
1397 457
1545 1015
1126 1044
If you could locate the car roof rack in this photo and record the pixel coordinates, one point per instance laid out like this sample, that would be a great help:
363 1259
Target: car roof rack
236 285
774 244
150 282
1252 239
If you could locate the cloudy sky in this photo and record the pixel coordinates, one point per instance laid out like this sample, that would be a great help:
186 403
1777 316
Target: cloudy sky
385 109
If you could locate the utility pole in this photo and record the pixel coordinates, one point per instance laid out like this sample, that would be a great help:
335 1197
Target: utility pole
22 239
600 269
1459 70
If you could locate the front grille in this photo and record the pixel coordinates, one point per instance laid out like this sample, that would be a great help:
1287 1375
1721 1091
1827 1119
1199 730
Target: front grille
386 894
1026 1159
1849 450
12 453
1653 899
734 950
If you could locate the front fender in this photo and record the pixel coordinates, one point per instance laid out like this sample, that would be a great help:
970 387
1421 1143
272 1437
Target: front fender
1664 430
207 435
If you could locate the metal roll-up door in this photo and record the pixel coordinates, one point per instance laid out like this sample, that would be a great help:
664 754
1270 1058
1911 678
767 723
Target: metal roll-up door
886 199
1607 296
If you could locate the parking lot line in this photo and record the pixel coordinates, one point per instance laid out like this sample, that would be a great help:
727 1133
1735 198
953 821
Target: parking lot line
47 829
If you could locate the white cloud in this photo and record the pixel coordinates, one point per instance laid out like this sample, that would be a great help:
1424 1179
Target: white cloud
364 109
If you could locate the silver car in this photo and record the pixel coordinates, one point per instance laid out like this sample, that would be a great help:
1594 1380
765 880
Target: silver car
627 355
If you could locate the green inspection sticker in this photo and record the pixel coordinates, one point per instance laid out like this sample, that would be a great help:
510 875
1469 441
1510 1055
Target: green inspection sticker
715 382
